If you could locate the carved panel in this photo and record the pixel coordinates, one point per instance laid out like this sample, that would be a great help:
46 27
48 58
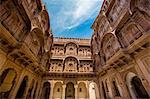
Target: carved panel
84 51
129 34
58 50
11 19
71 65
71 49
109 45
86 66
56 65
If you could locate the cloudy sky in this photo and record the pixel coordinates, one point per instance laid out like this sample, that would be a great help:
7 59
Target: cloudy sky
72 18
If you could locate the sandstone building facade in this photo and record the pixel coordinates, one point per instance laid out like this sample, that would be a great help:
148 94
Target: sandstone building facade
25 43
113 64
121 49
71 73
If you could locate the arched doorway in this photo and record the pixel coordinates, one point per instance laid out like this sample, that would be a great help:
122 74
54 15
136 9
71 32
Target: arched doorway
139 88
22 88
135 86
92 91
70 91
46 91
7 80
58 90
82 91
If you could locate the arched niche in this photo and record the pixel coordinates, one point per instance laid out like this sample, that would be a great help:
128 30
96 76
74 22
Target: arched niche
22 87
46 90
82 91
129 34
58 90
71 48
33 42
94 45
38 32
93 91
7 80
71 64
135 86
109 45
70 91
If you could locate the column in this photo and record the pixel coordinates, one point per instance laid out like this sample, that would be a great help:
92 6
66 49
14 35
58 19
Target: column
33 90
122 86
39 89
96 86
63 93
87 87
51 89
27 89
76 91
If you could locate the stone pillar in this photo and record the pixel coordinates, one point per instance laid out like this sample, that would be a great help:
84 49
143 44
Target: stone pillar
27 89
76 91
131 92
97 86
33 90
39 89
51 89
63 93
87 87
122 86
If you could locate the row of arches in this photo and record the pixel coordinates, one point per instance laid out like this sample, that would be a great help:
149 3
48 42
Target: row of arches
71 64
71 48
135 88
111 42
68 91
8 80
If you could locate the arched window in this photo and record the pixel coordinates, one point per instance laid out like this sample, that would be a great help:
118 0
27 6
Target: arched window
82 91
109 45
129 34
7 80
139 88
70 91
46 91
58 89
136 87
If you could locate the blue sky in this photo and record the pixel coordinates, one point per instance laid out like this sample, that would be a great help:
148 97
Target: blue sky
72 18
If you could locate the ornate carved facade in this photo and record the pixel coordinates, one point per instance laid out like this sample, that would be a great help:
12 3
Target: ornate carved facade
115 63
25 47
71 73
121 49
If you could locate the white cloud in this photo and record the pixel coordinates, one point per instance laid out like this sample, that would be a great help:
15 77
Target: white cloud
68 14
